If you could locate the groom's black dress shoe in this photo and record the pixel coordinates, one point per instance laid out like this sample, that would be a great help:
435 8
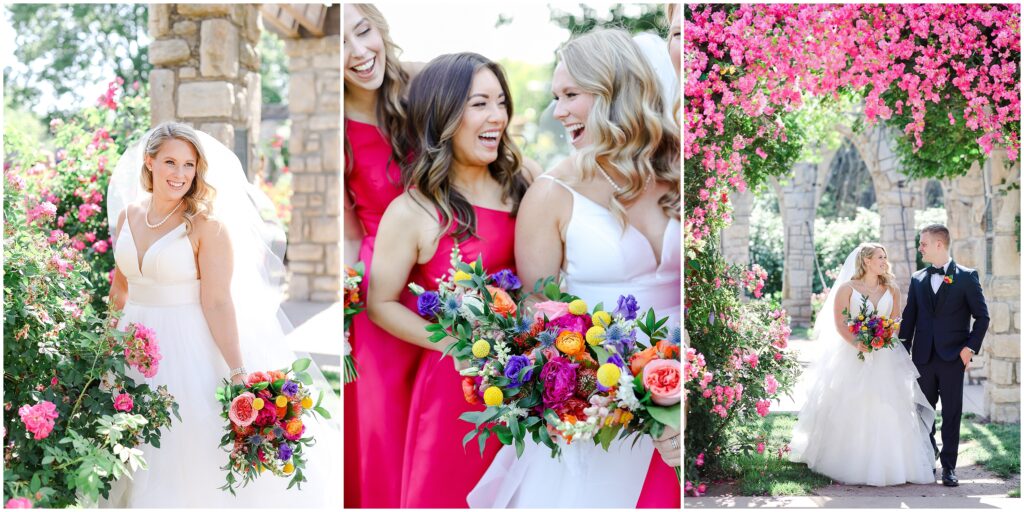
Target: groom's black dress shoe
949 478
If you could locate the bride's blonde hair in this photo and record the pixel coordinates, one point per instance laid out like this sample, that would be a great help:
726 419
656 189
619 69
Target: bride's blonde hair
199 198
867 250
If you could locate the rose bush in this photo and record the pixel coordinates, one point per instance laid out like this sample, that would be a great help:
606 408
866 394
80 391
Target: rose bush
74 419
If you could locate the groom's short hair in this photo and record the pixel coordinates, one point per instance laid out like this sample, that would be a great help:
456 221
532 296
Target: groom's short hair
940 231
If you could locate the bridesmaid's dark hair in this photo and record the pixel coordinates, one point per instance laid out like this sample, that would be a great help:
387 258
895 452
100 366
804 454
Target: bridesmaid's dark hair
437 100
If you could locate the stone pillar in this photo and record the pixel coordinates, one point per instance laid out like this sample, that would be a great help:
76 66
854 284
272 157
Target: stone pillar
736 237
314 99
1002 291
965 218
206 71
798 206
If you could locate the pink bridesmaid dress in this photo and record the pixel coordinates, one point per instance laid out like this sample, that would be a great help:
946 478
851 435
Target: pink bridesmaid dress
377 403
438 471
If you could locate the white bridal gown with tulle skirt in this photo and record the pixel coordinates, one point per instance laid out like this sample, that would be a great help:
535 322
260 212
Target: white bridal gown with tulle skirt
163 294
602 263
866 422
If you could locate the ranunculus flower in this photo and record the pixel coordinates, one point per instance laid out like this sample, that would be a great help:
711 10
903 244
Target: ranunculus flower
241 411
639 360
579 324
663 378
551 308
39 418
428 304
512 368
293 429
123 402
559 379
501 303
570 343
257 377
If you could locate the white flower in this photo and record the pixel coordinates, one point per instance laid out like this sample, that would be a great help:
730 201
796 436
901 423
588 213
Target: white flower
416 289
472 371
347 349
470 300
501 351
624 395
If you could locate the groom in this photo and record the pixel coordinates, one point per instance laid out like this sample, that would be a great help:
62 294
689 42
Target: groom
935 330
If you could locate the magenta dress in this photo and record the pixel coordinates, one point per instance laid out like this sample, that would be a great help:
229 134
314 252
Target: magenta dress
438 471
376 404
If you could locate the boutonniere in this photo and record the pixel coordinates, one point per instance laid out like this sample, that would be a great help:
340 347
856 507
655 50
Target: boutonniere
947 280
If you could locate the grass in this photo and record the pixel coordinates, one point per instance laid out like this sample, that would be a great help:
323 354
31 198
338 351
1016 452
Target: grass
997 446
802 333
766 474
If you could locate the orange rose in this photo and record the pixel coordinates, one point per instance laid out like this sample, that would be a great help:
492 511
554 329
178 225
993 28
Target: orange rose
877 342
639 360
277 375
501 303
667 350
570 343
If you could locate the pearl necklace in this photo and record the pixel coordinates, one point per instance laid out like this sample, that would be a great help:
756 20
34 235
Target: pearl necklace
161 223
615 186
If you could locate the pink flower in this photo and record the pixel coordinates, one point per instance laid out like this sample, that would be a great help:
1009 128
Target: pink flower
770 384
760 152
54 382
44 210
123 402
762 407
18 503
39 418
241 411
760 448
700 460
663 378
552 309
101 246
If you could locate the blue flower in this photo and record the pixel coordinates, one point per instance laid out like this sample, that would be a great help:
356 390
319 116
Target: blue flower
627 307
451 305
618 340
284 452
523 326
675 336
507 280
289 388
278 431
428 304
547 338
513 367
255 439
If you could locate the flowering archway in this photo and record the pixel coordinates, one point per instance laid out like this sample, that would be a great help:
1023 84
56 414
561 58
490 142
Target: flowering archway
944 78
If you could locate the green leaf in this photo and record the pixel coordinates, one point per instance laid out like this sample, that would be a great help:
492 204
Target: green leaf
520 446
606 435
503 433
670 416
301 364
323 412
601 353
482 440
513 426
469 437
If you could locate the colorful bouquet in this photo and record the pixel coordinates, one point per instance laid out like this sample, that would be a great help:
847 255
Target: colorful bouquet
565 371
265 424
874 332
353 306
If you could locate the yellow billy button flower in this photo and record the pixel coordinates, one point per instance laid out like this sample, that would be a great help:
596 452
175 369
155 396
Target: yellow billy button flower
578 307
307 403
481 348
281 401
602 318
493 396
288 468
595 334
860 317
257 404
608 374
461 276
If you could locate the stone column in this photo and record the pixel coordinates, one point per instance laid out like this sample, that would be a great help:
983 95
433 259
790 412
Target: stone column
206 71
798 206
1002 291
314 99
736 238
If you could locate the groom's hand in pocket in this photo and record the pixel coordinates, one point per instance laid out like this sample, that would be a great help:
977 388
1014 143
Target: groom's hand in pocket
965 356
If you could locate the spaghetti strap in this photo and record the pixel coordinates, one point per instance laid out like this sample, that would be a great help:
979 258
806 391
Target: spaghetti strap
560 182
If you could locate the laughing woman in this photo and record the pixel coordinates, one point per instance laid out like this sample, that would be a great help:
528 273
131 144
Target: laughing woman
375 82
464 190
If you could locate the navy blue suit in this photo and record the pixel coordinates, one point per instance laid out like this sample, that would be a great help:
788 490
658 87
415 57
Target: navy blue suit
935 329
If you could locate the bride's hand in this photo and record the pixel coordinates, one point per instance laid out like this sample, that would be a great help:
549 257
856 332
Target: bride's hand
239 379
860 347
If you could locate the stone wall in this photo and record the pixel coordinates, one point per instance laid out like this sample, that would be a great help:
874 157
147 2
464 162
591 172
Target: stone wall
314 99
206 71
735 243
798 205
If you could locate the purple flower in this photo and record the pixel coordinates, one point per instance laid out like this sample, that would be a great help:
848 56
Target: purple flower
255 439
284 452
617 360
506 280
428 304
559 379
627 307
512 368
290 388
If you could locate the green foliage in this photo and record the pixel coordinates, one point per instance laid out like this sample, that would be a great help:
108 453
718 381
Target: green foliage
650 18
273 68
818 118
835 238
60 46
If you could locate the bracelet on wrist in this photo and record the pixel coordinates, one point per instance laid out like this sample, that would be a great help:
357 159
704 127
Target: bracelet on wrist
237 371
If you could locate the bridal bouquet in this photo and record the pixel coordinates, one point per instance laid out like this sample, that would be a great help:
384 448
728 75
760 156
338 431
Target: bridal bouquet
565 371
353 306
265 424
874 332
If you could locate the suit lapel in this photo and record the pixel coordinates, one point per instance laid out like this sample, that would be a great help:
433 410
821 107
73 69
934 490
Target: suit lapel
940 298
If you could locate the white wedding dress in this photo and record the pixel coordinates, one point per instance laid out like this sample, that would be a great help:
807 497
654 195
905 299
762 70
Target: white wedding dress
601 263
163 294
865 422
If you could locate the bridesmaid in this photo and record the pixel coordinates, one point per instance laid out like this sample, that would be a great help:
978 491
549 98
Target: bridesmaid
374 118
465 187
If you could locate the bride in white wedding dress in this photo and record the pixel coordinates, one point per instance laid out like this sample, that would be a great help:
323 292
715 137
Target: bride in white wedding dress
864 422
192 266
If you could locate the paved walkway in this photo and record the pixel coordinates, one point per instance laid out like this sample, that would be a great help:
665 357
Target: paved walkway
317 331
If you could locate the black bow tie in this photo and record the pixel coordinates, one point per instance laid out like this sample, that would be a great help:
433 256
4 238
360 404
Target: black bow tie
934 270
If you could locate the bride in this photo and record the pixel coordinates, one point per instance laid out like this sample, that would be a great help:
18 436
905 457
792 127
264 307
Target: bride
192 264
607 229
865 422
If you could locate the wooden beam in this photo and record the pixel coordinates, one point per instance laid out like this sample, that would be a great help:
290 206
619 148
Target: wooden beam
281 20
310 16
